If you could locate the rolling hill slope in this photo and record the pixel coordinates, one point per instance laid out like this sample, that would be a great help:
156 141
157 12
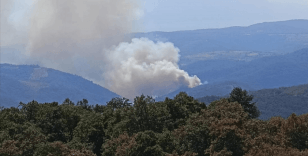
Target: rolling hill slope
24 83
267 72
255 41
282 101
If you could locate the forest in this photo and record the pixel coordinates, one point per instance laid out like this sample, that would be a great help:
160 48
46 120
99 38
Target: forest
181 126
282 101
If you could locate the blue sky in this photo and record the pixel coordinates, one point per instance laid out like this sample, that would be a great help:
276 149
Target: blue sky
174 15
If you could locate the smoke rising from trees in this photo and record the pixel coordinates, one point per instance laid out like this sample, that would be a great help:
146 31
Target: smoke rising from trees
90 38
143 66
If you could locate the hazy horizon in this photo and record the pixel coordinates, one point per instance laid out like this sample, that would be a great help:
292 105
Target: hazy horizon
178 15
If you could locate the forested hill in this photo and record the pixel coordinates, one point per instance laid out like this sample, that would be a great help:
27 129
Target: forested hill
24 83
275 37
281 101
262 73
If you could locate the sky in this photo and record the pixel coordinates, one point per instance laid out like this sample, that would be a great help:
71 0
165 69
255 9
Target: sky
175 15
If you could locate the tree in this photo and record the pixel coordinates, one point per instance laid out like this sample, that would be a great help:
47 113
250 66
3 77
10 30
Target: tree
117 102
192 105
60 149
99 108
180 108
242 97
90 130
84 104
67 101
30 110
141 143
23 143
142 122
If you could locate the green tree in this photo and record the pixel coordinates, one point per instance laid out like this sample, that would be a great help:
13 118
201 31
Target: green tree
242 97
225 122
30 110
99 108
67 101
142 143
24 143
59 149
141 118
146 144
116 103
52 125
84 104
90 130
180 108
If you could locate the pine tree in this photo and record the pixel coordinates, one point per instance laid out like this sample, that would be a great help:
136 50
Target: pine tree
242 97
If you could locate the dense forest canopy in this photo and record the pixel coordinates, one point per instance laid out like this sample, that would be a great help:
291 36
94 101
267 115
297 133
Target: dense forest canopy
178 126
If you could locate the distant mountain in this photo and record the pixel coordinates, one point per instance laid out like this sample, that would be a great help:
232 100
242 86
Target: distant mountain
282 101
215 89
24 83
255 41
264 55
267 72
255 57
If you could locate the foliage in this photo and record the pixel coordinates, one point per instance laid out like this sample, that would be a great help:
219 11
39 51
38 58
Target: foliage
180 126
60 149
242 97
282 101
116 103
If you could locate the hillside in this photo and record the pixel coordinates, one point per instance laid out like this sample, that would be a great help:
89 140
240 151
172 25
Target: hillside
267 72
264 55
282 101
255 41
24 83
259 56
213 89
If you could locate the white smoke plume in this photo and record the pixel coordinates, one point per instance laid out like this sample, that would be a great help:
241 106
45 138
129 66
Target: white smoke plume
10 32
89 38
145 67
71 34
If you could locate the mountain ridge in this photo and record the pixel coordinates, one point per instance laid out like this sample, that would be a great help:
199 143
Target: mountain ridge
24 83
267 72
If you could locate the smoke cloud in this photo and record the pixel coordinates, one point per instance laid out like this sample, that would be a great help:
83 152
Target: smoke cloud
10 33
62 32
145 67
90 38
